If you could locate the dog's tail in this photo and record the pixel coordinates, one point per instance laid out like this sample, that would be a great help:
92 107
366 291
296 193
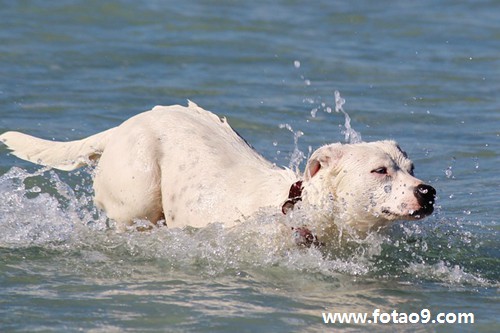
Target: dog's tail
60 155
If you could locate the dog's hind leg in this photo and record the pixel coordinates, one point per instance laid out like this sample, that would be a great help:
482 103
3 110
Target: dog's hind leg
127 180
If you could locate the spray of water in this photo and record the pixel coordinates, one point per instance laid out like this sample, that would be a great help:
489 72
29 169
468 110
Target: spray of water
351 136
65 222
297 155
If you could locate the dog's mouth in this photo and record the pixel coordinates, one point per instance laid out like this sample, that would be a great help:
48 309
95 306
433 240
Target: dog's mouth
425 195
411 215
422 212
391 215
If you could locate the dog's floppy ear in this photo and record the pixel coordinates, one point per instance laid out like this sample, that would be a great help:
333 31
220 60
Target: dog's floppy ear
324 157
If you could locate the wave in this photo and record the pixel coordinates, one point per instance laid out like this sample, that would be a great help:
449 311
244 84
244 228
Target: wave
41 210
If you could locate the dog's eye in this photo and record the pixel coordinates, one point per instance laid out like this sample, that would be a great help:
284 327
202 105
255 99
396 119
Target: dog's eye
380 171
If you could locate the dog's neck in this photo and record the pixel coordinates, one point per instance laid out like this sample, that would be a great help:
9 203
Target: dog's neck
294 196
302 235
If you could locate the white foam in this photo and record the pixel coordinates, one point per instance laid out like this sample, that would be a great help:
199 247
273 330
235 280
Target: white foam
445 273
68 222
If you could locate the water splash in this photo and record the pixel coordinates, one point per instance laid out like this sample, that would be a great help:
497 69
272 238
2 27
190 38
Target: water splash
444 272
40 210
351 136
44 214
297 155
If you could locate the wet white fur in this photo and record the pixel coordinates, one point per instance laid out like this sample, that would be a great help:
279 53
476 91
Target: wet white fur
188 166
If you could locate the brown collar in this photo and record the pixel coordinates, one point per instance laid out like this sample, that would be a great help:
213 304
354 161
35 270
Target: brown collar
302 235
294 196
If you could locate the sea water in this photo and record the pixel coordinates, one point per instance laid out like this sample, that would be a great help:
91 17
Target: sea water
290 77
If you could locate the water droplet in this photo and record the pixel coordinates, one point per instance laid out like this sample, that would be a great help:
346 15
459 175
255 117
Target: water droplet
448 172
313 112
339 101
296 64
35 189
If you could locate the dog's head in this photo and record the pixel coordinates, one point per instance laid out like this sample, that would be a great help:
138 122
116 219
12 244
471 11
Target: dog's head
367 184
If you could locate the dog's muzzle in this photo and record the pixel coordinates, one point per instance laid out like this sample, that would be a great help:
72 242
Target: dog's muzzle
426 196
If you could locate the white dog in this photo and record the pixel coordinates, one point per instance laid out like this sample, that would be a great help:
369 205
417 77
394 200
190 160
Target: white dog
187 166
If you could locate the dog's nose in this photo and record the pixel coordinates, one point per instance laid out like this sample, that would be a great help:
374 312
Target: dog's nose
426 195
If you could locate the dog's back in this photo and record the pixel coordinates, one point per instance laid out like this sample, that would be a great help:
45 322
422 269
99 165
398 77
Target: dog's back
182 164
